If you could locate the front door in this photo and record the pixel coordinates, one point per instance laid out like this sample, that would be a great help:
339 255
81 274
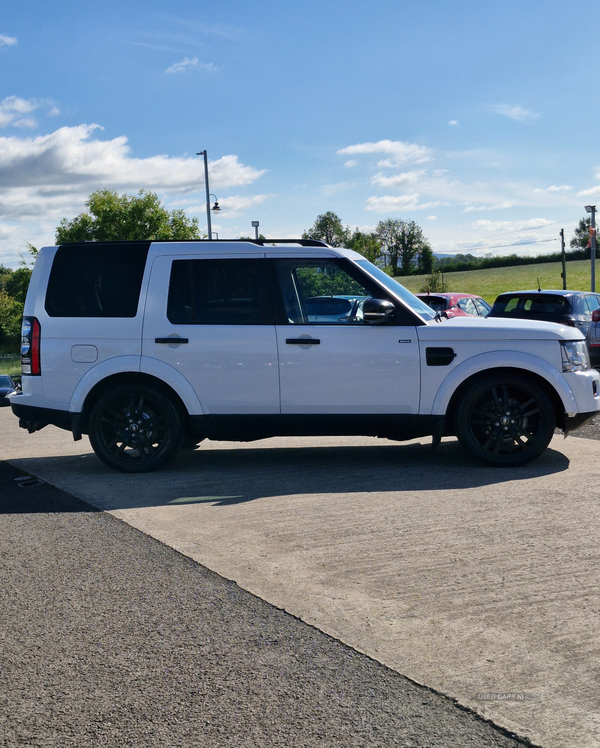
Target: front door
330 360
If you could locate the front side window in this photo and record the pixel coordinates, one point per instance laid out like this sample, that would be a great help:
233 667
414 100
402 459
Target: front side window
218 292
321 291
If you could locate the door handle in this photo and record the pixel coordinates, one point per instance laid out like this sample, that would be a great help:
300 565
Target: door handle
303 341
171 341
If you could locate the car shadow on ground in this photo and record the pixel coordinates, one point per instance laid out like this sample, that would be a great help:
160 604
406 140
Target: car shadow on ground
222 477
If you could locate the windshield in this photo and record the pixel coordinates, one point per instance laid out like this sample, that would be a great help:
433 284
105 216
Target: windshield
5 381
397 289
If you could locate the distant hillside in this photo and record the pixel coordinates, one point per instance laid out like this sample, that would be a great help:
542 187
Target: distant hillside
490 282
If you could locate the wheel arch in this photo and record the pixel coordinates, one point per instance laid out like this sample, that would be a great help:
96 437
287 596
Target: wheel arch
542 382
128 377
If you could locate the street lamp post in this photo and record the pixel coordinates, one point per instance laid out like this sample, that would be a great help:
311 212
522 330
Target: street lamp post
592 209
255 224
209 227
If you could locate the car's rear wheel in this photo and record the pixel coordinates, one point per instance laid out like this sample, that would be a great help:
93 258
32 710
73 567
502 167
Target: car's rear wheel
505 420
135 428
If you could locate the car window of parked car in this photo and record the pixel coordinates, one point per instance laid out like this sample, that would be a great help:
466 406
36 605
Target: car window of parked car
6 381
592 303
483 308
467 306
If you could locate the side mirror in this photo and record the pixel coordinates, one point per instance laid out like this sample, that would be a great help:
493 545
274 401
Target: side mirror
378 311
448 314
596 315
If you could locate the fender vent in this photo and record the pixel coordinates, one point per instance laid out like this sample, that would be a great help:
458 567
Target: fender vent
439 356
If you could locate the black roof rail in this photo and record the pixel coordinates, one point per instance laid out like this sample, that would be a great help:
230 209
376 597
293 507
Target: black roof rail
261 242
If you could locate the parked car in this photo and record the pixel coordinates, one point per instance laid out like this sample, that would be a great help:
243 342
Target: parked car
571 308
456 304
593 338
150 346
7 387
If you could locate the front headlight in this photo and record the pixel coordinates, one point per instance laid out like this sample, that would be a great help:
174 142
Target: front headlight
574 355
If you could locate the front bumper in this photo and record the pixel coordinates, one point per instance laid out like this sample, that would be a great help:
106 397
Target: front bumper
572 423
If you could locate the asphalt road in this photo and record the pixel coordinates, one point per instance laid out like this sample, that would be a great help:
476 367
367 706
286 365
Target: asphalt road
110 638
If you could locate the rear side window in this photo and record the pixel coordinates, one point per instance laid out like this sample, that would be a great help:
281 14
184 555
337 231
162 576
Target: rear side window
96 280
219 292
539 303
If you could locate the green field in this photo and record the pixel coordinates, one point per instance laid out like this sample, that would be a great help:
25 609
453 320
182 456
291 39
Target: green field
10 366
489 283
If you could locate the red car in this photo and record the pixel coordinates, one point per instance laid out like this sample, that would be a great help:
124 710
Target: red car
456 304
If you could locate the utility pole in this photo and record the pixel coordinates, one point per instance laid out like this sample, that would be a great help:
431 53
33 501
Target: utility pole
563 275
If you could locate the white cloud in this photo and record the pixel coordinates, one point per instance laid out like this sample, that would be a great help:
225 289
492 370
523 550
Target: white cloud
189 63
391 204
350 163
70 157
431 218
13 111
399 152
7 41
591 192
508 226
398 180
498 206
453 122
235 205
554 188
516 112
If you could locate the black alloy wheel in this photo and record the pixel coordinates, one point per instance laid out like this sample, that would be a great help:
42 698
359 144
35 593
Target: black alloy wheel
505 420
135 428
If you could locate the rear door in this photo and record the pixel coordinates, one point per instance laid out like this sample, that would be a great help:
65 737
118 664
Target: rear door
210 318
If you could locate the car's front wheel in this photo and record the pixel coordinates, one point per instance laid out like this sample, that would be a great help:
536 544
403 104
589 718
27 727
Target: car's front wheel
505 420
135 428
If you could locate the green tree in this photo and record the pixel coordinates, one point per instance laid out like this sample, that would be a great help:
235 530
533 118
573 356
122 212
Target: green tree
367 245
17 283
405 246
11 314
581 236
328 228
114 217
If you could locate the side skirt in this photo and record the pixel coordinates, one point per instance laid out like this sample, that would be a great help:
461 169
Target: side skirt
252 427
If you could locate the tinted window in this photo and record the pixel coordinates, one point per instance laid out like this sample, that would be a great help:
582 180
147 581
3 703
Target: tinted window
96 280
5 381
218 292
437 303
547 305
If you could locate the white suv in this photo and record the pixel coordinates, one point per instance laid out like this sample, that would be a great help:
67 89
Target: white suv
149 346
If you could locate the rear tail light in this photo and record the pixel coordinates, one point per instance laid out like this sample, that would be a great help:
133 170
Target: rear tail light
30 346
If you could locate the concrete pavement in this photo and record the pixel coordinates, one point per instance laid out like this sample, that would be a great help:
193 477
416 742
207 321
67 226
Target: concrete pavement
478 582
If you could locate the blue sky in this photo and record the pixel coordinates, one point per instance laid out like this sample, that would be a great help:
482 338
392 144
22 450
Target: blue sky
477 120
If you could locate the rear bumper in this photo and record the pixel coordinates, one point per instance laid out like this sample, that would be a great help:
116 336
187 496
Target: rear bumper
33 418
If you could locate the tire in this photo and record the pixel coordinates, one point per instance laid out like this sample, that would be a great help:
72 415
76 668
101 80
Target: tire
135 428
505 420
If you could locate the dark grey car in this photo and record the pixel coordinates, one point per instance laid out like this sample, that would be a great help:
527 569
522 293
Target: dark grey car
580 309
572 308
7 385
